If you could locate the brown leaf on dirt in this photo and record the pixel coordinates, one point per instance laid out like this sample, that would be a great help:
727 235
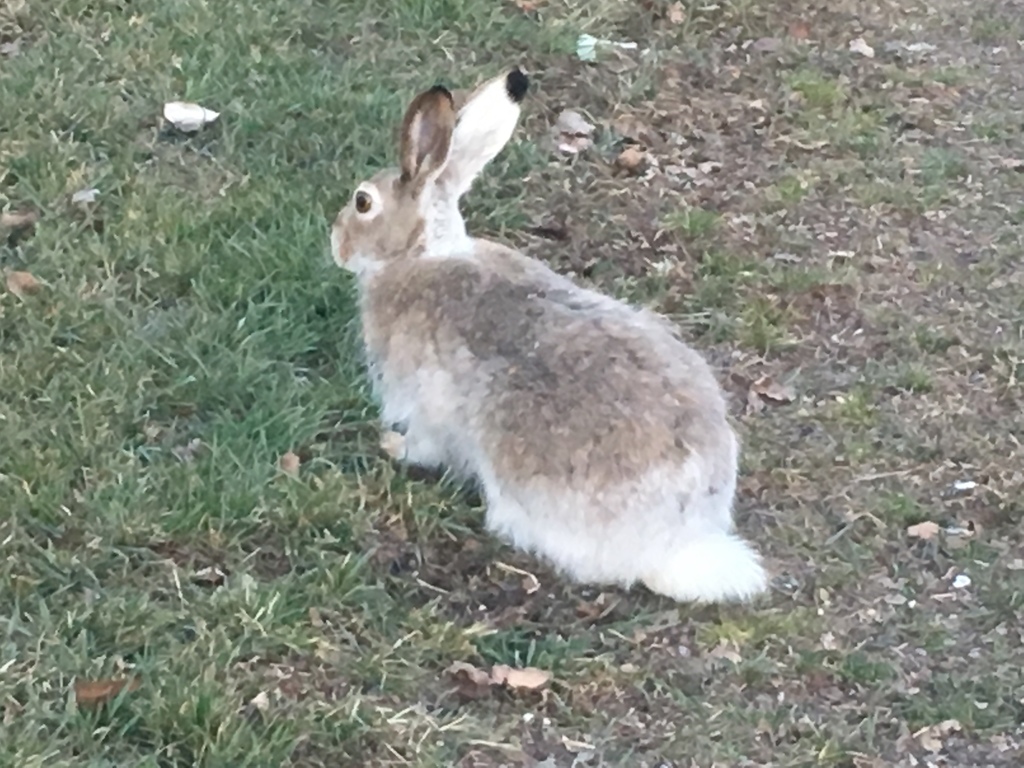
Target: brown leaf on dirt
530 582
21 284
632 128
12 710
925 530
472 682
475 683
524 679
95 693
631 159
930 737
572 132
767 388
289 464
726 649
800 30
18 220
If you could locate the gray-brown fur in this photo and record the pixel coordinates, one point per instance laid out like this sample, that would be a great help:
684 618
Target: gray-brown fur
404 232
567 387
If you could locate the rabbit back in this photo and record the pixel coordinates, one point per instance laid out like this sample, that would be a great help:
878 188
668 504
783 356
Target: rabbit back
551 381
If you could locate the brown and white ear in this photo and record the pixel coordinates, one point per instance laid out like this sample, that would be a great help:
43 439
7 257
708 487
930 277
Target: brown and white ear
485 124
427 134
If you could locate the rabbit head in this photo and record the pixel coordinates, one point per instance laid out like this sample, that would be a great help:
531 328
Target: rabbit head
413 210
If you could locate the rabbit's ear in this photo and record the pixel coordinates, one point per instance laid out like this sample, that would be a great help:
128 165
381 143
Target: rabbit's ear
427 134
486 122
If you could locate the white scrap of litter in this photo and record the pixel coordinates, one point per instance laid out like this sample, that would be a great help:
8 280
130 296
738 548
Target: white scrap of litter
860 46
84 196
188 117
964 485
962 581
586 46
573 132
898 46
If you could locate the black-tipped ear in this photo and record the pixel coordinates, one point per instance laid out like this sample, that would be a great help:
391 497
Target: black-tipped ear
427 132
516 84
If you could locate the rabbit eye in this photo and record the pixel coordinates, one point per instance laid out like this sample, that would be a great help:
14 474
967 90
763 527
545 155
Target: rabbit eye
363 202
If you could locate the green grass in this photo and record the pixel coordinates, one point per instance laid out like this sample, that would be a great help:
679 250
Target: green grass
692 223
189 330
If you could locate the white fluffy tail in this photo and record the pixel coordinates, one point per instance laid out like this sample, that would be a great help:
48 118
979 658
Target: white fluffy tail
712 566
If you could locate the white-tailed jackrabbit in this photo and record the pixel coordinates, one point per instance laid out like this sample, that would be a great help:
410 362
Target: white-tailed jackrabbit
599 439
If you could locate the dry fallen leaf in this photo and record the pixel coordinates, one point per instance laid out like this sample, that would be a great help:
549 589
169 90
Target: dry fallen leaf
767 389
800 30
22 283
260 702
525 678
860 46
472 682
15 220
530 582
676 13
633 129
572 132
726 650
930 737
925 530
770 389
289 464
631 159
96 693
